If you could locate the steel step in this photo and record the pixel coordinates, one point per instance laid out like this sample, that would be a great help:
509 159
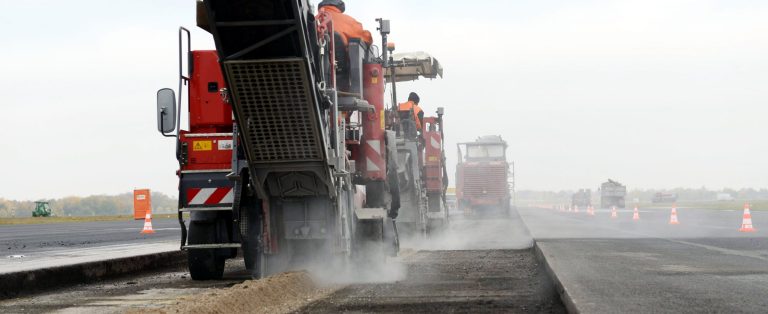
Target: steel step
211 246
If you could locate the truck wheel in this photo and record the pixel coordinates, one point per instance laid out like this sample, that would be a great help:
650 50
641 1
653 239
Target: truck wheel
204 264
251 229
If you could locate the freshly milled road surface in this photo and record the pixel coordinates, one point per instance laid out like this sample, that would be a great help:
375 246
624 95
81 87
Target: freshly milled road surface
702 265
478 266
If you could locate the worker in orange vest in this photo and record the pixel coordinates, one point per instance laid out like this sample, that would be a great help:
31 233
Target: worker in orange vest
413 103
343 24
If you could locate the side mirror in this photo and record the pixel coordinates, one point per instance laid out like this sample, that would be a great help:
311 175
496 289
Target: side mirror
166 111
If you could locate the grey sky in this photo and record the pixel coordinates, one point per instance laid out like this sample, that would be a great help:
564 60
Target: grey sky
651 93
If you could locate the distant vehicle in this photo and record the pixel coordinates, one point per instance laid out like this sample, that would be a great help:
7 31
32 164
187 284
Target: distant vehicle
724 197
612 193
482 184
664 198
42 209
582 198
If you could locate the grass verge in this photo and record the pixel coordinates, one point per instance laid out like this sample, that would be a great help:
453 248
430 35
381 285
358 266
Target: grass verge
56 219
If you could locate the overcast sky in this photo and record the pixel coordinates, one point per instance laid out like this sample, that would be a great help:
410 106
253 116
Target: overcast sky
652 93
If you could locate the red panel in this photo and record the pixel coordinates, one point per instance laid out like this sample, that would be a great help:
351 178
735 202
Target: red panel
142 203
483 183
207 111
374 150
433 154
206 153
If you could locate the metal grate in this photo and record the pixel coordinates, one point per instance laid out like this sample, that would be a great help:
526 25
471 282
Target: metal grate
275 102
489 178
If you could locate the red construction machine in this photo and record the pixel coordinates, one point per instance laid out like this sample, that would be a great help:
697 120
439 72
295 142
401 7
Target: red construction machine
290 154
422 175
482 177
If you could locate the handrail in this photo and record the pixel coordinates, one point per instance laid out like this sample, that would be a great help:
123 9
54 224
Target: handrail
182 81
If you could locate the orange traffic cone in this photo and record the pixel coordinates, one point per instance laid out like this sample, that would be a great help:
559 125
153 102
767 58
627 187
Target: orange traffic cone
636 215
591 210
746 222
613 212
576 209
673 217
147 224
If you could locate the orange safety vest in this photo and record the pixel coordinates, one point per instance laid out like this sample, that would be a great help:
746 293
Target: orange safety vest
347 26
406 106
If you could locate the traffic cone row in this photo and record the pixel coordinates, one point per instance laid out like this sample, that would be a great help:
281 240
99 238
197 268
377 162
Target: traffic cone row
746 224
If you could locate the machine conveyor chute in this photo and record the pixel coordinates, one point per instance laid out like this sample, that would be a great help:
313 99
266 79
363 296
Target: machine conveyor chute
411 66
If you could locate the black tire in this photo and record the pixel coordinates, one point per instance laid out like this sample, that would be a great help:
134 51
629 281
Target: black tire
252 246
204 264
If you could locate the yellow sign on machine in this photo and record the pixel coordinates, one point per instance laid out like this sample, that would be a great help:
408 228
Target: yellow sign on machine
202 145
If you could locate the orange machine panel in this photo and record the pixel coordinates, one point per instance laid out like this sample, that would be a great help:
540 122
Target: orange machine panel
142 203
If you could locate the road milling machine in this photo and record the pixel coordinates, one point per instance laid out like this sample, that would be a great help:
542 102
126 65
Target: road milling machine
290 154
422 174
482 177
612 193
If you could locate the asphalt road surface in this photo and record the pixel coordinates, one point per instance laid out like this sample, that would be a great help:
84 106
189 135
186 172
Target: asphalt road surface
701 265
34 246
23 239
476 266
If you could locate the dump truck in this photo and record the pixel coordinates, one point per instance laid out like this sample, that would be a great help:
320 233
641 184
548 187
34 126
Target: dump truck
290 154
582 198
482 175
612 194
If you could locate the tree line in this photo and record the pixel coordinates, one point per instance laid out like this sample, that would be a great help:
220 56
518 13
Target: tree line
645 195
95 205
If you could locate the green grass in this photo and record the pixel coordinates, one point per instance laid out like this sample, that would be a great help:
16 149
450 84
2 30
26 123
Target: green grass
54 220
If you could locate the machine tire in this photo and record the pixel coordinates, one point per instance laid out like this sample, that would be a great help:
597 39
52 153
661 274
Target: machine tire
204 264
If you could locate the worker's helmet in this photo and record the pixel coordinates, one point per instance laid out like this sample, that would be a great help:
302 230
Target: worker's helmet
336 3
413 97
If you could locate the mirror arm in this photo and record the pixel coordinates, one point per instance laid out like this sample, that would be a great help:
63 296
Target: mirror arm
162 127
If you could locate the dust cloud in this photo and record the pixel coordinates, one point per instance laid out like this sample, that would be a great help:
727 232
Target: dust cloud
472 233
463 233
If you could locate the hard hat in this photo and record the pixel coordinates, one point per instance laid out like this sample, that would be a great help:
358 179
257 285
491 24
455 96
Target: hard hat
336 3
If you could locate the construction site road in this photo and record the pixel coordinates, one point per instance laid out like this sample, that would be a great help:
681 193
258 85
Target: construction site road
704 264
25 247
483 281
476 266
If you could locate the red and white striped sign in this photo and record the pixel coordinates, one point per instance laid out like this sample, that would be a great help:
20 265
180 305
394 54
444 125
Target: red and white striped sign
210 196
